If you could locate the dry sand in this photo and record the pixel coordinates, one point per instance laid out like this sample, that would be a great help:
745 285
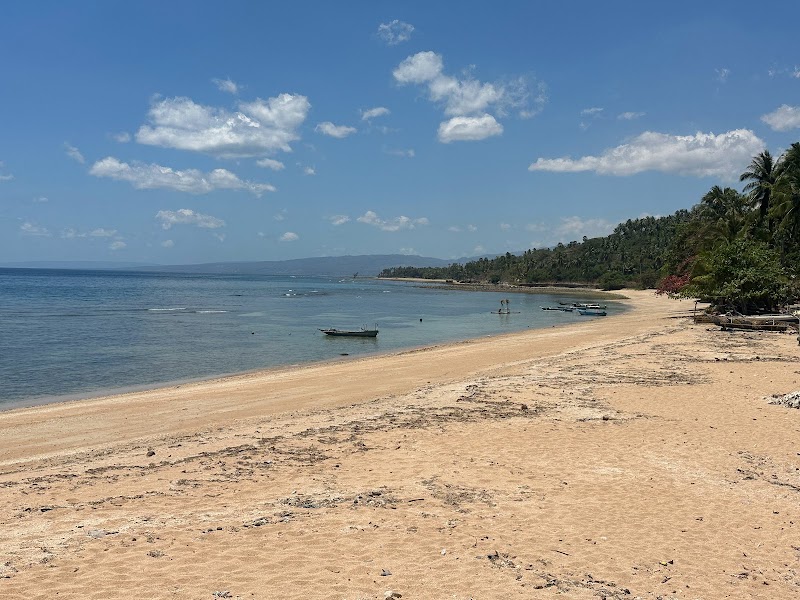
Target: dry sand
627 457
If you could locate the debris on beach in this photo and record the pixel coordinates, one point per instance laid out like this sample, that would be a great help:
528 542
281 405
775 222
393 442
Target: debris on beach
790 400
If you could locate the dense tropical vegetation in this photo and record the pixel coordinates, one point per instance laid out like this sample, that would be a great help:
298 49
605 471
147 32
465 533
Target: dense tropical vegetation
740 250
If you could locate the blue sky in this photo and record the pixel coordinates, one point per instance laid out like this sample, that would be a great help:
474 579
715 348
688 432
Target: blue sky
186 132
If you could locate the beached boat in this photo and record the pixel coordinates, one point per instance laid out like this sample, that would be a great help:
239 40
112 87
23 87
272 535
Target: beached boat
592 312
363 332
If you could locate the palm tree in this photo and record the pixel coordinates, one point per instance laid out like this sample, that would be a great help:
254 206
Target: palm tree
725 211
786 201
761 175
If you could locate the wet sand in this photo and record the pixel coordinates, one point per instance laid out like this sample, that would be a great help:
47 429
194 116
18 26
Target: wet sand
621 457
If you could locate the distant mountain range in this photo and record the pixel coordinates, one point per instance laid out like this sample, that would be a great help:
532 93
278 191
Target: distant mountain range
329 266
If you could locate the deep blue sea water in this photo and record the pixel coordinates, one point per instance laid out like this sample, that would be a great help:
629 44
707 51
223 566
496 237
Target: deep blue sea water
82 333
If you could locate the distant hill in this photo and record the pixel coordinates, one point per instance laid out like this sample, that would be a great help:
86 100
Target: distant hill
329 266
87 265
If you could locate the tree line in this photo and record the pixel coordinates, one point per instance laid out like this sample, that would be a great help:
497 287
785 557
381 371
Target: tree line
737 249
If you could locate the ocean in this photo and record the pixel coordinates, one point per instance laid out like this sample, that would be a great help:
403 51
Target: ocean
72 334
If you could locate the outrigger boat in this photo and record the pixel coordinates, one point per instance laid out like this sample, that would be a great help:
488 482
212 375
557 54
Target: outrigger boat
363 332
591 311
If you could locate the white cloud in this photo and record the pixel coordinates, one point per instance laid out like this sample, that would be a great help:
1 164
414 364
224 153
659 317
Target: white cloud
289 236
595 110
281 215
378 111
796 73
269 163
167 244
219 236
467 100
41 199
101 232
479 250
186 216
459 129
472 228
123 137
409 153
395 32
74 153
630 116
118 245
258 127
226 85
29 228
6 177
783 118
309 171
700 155
408 251
153 176
454 229
70 234
576 227
337 131
722 74
505 226
395 224
338 219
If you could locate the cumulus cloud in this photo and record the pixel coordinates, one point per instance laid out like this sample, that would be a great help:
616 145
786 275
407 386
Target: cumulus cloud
576 227
309 171
258 127
372 113
472 228
74 153
395 224
118 245
271 163
226 85
630 116
395 32
595 110
29 228
289 236
460 129
468 101
699 155
505 226
123 137
186 216
722 74
71 233
337 131
337 220
783 118
152 176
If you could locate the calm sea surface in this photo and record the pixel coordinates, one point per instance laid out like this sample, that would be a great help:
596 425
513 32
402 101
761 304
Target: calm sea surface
82 333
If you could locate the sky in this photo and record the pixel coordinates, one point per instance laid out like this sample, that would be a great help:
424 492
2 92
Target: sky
187 132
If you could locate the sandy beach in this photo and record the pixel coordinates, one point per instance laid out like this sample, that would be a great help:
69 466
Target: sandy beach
633 456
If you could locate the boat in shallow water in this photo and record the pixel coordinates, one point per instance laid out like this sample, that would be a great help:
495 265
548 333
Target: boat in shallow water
363 332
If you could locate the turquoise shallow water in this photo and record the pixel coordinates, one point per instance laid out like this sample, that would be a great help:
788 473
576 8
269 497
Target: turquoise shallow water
82 333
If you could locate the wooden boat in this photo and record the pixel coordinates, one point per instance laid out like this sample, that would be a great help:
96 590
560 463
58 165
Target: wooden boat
363 332
592 312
